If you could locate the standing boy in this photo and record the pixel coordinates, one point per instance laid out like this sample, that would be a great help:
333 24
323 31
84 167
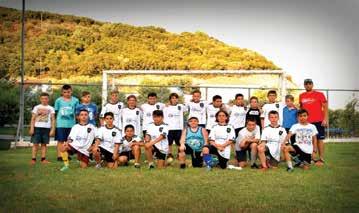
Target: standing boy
238 114
90 107
212 109
272 105
114 106
148 108
197 108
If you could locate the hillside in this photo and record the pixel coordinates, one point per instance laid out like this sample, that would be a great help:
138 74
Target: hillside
58 46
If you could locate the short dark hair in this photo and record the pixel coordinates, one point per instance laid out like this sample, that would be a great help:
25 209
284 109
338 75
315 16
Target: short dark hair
251 119
225 112
158 113
129 126
84 93
108 114
83 110
44 94
131 96
216 97
196 91
290 97
273 112
173 95
239 95
152 94
66 87
253 98
302 111
272 92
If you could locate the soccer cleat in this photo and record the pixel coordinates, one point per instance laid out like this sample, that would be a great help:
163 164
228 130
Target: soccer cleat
64 169
137 165
183 166
290 170
254 166
59 159
98 166
151 166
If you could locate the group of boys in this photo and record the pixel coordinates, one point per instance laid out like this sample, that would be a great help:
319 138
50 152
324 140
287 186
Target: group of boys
272 133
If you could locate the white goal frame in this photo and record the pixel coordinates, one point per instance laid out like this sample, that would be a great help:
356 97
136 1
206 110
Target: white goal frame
281 75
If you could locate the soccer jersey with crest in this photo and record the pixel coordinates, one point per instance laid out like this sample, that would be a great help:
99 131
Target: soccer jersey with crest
126 144
221 134
274 137
237 116
272 107
198 110
173 116
245 133
303 136
133 117
211 115
108 137
116 110
147 110
82 137
154 131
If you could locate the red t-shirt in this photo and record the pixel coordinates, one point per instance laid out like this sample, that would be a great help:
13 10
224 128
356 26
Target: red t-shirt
313 102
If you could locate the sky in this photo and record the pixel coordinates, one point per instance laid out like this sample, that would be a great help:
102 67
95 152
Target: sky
315 39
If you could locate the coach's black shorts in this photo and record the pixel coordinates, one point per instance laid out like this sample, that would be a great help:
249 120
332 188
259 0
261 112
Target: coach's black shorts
320 129
159 155
174 135
107 156
197 159
304 157
222 161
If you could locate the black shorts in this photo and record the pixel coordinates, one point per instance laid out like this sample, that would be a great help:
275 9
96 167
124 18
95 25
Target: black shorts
159 155
242 154
222 161
320 129
80 156
62 134
128 154
292 139
174 135
197 159
106 155
236 131
304 157
41 136
271 159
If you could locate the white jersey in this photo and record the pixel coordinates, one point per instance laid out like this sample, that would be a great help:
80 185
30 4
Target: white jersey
43 115
108 137
272 107
173 116
147 110
82 137
274 137
304 136
256 133
116 110
155 131
221 134
133 117
126 144
211 115
197 110
237 116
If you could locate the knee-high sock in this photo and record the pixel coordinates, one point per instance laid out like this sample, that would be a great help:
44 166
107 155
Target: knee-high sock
65 158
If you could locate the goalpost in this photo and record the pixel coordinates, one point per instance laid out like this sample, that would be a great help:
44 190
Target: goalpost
280 73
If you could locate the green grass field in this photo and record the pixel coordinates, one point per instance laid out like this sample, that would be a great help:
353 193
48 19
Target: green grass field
42 188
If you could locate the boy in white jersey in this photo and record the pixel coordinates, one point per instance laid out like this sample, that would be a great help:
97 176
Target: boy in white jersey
305 140
173 116
148 108
247 140
114 106
131 115
212 109
106 138
238 114
79 141
220 139
272 105
156 140
197 108
273 136
128 148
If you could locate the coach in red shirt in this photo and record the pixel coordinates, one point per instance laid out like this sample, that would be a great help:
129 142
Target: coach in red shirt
317 106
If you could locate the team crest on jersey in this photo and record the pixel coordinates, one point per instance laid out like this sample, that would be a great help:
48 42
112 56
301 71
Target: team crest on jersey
158 106
89 130
280 132
228 130
161 129
137 112
277 105
201 105
113 134
119 106
179 107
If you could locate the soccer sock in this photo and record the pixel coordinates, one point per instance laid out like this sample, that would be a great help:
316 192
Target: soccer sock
34 159
65 158
207 159
253 158
42 159
289 164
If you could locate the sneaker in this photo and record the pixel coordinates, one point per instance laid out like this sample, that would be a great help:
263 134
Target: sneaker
183 166
98 166
151 166
64 169
32 162
137 165
45 161
290 169
254 166
59 159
